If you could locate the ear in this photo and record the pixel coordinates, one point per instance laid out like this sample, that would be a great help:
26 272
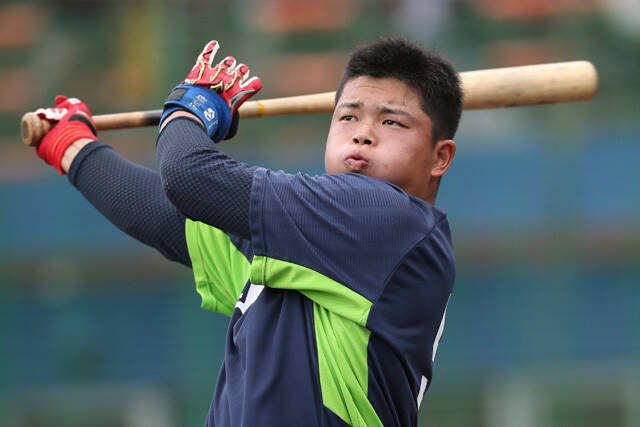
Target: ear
443 153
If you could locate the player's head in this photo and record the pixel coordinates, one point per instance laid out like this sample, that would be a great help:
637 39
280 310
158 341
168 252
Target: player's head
397 110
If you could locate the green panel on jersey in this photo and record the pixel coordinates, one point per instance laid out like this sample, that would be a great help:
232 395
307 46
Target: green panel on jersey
342 365
340 316
319 288
219 268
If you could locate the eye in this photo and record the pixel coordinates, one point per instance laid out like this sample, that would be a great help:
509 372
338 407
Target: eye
392 123
347 118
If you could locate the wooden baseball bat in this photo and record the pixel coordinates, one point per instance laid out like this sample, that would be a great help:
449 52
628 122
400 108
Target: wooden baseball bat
492 88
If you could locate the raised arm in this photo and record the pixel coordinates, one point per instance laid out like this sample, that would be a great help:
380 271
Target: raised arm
201 181
127 194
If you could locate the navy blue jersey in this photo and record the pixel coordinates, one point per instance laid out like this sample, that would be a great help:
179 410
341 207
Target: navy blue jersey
337 302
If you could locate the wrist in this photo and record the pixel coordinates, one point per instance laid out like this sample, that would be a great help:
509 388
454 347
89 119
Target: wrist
181 113
208 106
72 151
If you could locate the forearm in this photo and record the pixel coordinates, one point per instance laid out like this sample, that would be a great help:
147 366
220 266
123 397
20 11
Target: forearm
201 181
128 195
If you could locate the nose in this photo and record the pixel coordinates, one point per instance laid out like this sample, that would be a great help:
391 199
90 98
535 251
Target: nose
363 138
364 132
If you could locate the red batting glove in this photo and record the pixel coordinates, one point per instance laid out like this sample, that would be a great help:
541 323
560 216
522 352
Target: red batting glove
72 121
227 79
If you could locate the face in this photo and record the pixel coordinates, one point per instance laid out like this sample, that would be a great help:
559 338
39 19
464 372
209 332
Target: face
378 129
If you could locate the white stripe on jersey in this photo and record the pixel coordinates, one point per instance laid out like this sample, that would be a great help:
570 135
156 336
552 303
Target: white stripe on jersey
252 295
439 334
424 382
423 387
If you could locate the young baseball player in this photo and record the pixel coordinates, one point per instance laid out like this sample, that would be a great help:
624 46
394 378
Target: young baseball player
336 285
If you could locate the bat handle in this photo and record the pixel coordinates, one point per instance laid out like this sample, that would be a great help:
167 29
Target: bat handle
33 128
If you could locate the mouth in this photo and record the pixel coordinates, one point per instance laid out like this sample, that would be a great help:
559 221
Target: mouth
356 162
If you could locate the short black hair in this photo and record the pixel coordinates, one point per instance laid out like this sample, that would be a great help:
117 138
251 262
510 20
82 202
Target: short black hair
433 76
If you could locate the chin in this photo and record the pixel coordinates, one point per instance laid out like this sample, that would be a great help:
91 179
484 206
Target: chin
337 169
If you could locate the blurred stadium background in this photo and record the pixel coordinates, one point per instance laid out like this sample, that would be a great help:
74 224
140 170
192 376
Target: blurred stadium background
543 328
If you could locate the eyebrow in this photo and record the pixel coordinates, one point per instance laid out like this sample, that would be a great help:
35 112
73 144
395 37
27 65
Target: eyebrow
350 105
382 109
387 110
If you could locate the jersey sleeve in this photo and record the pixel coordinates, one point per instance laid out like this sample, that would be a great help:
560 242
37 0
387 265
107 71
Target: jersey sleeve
220 265
335 237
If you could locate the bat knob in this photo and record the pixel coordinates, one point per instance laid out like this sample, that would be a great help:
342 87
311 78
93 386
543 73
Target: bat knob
33 128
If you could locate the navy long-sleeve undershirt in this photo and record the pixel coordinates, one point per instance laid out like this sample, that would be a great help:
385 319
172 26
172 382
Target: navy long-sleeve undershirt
201 181
198 181
131 197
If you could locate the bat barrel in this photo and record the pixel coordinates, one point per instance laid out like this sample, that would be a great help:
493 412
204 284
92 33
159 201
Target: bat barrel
303 104
529 85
